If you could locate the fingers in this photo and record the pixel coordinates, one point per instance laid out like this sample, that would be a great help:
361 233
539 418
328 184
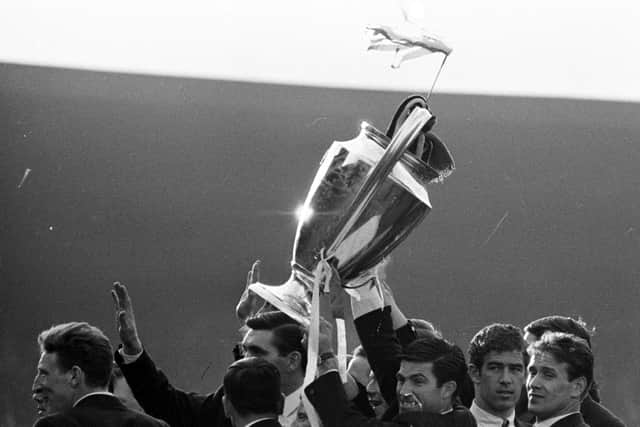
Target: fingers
121 296
123 320
255 271
253 275
114 297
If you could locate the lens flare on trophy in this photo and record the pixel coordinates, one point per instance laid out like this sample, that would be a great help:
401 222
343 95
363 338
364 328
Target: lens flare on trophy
303 213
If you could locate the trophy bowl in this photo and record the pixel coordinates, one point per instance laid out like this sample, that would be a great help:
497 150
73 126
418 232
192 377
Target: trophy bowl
354 213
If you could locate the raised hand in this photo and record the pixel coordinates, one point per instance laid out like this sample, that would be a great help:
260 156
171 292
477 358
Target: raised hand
250 303
125 320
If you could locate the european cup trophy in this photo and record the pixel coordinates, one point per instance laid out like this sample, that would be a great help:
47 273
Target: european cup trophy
367 196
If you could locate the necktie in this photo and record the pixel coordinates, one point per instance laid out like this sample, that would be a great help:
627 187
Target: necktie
505 423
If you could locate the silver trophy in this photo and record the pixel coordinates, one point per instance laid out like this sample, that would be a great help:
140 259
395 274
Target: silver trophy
367 196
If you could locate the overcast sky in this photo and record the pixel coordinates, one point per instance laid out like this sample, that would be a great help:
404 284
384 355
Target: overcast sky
584 49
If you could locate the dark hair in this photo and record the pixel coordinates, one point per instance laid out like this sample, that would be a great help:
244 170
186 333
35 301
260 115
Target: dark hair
252 385
560 324
116 374
569 349
424 328
288 335
498 337
447 359
80 344
269 320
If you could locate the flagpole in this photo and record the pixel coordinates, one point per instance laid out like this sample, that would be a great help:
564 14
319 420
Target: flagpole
436 78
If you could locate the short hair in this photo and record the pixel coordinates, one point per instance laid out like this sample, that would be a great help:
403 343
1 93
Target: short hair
288 335
447 359
252 385
269 320
424 328
569 349
80 344
560 324
498 337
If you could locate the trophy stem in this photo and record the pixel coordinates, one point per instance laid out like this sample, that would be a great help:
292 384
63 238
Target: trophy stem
401 140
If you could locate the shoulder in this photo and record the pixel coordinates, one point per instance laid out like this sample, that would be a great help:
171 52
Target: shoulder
140 419
57 420
596 415
520 423
574 420
459 417
462 416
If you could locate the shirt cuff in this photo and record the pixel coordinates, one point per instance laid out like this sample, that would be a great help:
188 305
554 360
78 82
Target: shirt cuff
365 300
129 358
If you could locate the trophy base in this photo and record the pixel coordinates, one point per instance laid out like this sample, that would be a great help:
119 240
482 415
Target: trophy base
291 298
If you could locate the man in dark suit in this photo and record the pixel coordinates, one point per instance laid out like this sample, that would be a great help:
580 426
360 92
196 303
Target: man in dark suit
272 336
430 371
497 370
560 373
73 375
593 412
252 396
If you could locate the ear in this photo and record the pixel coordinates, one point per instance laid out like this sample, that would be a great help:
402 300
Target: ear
474 373
226 405
294 359
447 390
579 386
76 376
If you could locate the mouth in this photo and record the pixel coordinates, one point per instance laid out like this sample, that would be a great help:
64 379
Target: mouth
505 393
534 396
409 402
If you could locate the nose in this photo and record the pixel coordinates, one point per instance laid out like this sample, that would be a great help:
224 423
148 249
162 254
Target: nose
36 383
505 378
532 382
404 388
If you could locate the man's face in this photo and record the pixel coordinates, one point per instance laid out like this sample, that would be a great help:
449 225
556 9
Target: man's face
375 398
52 386
499 381
549 391
417 389
259 343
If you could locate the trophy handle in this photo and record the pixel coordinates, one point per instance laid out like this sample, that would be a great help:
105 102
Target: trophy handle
412 126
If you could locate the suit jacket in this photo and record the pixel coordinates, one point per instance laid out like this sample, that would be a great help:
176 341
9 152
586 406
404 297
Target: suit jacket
383 348
593 413
573 420
330 401
160 399
520 423
597 415
99 411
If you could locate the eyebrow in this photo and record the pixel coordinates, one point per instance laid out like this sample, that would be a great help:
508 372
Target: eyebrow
254 349
412 377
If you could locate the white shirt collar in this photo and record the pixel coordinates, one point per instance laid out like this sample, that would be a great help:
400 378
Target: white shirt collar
291 405
258 420
93 394
549 421
486 419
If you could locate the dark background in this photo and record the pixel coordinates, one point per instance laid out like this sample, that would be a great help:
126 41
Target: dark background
174 186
